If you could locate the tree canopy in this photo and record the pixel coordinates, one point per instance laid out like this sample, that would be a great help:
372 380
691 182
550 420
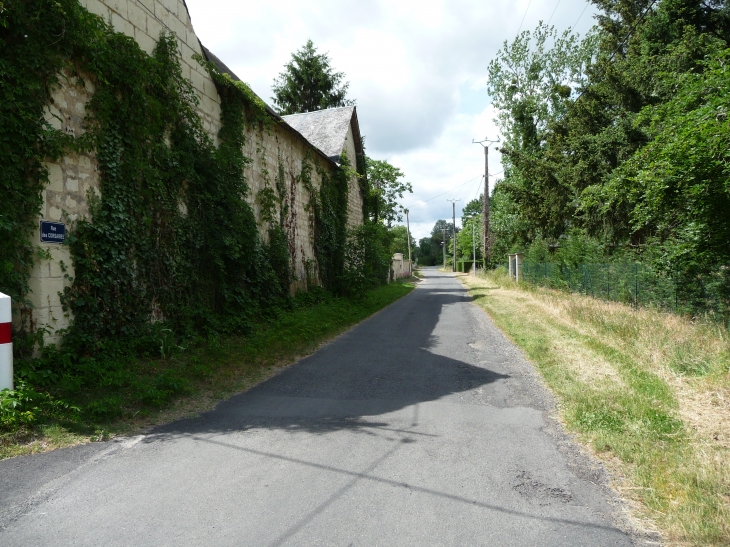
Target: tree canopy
472 209
309 83
617 143
430 250
386 188
399 241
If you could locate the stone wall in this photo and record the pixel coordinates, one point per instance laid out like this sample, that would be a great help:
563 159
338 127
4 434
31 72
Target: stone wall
399 267
272 146
145 20
354 203
73 179
65 199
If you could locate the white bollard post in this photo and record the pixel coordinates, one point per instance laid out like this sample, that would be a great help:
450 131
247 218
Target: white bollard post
6 343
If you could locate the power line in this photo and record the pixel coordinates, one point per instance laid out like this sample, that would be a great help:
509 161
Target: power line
480 182
633 28
479 187
447 191
554 10
581 15
523 17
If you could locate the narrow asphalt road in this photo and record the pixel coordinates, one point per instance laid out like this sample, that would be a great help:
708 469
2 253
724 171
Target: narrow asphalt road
421 426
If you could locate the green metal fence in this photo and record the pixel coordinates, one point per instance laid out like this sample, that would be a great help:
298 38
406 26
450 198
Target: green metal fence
635 284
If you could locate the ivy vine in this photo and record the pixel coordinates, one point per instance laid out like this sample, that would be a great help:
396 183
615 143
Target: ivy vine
31 61
170 239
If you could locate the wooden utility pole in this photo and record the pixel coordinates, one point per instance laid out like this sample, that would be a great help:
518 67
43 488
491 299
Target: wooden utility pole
408 235
485 203
474 249
453 226
444 245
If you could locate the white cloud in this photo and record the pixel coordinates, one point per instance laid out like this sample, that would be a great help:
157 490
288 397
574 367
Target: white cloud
417 69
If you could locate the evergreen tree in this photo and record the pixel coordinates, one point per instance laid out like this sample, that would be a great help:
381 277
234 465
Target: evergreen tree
309 83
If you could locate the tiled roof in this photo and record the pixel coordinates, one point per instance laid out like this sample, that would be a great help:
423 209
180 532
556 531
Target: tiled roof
325 129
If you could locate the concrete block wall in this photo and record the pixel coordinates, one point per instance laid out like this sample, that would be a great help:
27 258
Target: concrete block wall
73 179
145 20
267 146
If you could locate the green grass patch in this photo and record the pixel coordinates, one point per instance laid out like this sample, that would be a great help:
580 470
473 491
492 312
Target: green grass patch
129 395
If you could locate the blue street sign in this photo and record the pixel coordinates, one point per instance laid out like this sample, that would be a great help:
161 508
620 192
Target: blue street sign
52 232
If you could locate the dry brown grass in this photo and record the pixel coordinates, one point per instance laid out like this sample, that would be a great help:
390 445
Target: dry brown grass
609 360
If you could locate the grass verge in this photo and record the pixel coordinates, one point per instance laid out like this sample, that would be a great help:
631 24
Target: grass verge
196 379
647 391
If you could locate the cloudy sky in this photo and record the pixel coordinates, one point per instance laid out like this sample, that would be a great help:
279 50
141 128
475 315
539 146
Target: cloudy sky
417 70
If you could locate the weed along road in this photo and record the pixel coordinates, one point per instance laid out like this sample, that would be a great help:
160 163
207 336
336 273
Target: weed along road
421 426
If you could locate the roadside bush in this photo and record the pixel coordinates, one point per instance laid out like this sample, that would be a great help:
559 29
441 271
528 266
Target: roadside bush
367 258
26 406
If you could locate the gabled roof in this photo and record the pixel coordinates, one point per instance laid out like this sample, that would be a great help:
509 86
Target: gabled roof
327 129
222 68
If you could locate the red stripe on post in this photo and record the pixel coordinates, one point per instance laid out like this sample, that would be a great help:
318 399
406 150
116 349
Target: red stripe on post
6 333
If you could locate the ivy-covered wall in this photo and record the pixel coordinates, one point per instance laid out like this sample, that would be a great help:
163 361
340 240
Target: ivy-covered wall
145 21
275 177
187 202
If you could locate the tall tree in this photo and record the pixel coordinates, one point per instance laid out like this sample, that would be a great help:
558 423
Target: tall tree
617 144
531 82
427 254
438 229
399 241
309 83
468 239
472 209
386 188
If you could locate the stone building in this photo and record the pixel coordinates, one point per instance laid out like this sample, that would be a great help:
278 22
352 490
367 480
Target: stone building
321 136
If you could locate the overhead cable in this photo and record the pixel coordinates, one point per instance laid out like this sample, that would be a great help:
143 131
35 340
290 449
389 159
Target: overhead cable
480 182
555 9
523 17
581 15
451 190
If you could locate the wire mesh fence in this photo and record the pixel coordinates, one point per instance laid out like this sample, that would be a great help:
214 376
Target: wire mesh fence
635 284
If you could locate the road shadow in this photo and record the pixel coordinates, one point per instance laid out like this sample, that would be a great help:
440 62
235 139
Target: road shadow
394 360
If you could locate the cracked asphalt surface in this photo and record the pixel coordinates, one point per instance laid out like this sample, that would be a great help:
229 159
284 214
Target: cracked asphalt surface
421 426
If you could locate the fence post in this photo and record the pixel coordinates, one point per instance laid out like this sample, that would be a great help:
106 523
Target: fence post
6 343
518 266
589 280
636 285
570 278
